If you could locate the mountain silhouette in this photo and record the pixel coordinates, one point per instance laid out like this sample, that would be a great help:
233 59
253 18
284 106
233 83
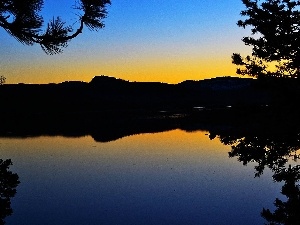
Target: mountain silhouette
109 93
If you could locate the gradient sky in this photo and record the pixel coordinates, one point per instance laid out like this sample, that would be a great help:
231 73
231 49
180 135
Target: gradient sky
143 40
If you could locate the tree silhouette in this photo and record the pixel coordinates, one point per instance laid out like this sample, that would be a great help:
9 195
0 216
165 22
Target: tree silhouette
286 213
8 184
22 20
273 152
268 151
275 40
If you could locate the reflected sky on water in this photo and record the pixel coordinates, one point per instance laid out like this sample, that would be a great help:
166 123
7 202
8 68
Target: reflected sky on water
172 177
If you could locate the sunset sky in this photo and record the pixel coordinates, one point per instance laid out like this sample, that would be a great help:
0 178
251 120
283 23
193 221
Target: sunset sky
143 40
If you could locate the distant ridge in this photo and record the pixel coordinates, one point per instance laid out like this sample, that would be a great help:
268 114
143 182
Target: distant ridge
110 93
110 79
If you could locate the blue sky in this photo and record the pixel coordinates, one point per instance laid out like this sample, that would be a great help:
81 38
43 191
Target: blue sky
154 40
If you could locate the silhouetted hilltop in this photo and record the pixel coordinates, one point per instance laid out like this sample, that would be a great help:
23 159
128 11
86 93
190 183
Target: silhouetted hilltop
219 83
109 93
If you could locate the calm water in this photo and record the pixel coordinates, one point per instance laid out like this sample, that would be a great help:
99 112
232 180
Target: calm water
171 177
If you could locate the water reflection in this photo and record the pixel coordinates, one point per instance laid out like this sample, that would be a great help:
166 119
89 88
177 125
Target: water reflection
287 212
138 173
272 151
8 185
279 153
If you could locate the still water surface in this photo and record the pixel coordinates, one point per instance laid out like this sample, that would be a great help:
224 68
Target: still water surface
171 177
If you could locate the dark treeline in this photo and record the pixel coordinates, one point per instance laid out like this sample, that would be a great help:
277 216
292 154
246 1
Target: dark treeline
108 93
108 108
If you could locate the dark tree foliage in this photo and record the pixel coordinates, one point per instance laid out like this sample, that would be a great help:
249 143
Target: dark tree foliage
275 39
273 152
8 184
22 20
286 213
270 152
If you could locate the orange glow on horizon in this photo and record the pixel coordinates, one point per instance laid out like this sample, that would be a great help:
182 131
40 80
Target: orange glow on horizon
145 70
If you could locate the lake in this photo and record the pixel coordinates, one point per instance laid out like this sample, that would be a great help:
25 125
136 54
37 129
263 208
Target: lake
173 176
